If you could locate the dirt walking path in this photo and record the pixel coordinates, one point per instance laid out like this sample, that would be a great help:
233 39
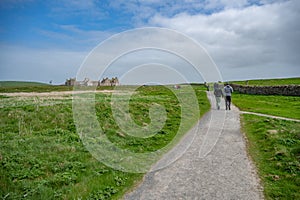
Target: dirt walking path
215 166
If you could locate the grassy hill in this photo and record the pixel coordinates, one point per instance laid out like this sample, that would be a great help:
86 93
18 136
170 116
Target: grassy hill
270 82
20 84
24 86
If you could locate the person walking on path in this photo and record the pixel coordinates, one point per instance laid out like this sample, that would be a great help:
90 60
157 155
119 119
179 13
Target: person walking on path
218 92
228 90
207 86
214 166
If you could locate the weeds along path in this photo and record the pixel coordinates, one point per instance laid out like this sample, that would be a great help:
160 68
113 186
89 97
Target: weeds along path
215 166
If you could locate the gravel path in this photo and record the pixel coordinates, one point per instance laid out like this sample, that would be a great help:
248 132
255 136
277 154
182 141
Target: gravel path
215 166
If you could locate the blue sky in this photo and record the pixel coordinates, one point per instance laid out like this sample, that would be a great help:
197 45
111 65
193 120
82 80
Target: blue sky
48 40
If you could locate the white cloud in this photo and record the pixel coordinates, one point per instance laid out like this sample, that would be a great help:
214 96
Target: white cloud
245 40
255 37
150 45
215 4
153 58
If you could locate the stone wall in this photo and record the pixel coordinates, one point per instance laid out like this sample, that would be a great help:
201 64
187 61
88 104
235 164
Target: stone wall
286 90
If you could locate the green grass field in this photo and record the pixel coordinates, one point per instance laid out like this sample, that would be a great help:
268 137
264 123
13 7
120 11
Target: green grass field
283 106
270 82
20 84
42 157
274 146
41 88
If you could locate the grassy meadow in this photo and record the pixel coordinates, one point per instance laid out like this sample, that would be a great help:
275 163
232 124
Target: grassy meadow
270 82
20 84
273 144
283 106
42 156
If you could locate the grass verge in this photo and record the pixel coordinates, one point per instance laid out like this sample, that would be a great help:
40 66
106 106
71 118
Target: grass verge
283 106
274 145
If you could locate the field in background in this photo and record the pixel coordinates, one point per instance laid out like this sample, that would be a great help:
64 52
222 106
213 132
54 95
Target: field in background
42 157
273 144
20 84
270 82
282 106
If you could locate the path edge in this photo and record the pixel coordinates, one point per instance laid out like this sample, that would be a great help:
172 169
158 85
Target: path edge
254 168
139 182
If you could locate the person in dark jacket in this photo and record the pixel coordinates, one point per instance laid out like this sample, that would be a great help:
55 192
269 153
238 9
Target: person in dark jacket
228 90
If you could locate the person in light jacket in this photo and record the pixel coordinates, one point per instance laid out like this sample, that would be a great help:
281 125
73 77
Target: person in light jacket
218 92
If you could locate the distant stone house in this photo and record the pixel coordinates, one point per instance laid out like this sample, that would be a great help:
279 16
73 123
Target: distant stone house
73 82
93 83
105 82
109 82
70 82
87 82
115 81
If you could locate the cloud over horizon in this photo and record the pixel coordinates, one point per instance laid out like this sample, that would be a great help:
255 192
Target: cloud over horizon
260 38
247 39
